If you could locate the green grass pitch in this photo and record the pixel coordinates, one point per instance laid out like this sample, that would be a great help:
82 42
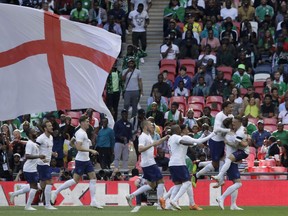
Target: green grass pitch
143 211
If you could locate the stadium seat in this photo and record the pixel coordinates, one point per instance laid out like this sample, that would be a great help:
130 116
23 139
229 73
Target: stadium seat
74 114
214 99
243 92
270 121
215 106
270 128
263 69
214 102
260 77
196 100
169 68
74 122
253 120
165 62
286 127
71 165
187 62
197 113
267 163
214 113
227 71
182 107
97 115
178 99
258 84
259 169
279 169
259 90
195 106
190 71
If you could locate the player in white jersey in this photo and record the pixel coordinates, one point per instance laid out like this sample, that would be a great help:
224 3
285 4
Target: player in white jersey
178 146
45 142
82 163
151 171
216 144
238 139
236 149
30 169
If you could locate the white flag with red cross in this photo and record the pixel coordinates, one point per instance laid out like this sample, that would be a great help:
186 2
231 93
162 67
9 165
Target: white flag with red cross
49 63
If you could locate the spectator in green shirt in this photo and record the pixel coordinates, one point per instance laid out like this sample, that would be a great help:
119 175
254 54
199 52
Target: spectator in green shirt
241 78
281 134
282 87
248 125
263 10
79 14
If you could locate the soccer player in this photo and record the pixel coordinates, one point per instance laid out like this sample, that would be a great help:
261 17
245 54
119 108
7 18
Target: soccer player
235 142
216 143
45 142
178 146
151 171
82 163
30 170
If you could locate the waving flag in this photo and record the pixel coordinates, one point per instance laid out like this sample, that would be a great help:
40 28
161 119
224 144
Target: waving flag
49 63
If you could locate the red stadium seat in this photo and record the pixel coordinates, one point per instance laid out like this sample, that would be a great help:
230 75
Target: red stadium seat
178 99
190 71
259 169
253 120
214 99
258 84
270 121
196 100
181 101
71 165
197 114
165 62
214 113
169 68
74 122
270 128
243 92
279 169
187 62
227 71
267 163
74 114
196 106
96 115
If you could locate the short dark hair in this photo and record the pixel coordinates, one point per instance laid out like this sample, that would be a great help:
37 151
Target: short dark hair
44 124
226 104
183 67
268 95
83 118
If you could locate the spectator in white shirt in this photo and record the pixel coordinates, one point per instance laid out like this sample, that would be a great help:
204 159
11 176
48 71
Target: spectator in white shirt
180 90
229 11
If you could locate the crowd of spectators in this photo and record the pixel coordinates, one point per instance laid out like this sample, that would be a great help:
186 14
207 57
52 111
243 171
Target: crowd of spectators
229 44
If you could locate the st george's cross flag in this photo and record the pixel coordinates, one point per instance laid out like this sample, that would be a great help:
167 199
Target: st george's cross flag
49 63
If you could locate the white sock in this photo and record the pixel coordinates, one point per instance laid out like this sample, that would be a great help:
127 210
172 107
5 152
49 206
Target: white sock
234 196
92 188
183 189
168 194
24 189
39 186
160 190
175 191
31 197
224 169
221 163
208 168
141 190
65 185
47 193
231 189
191 196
